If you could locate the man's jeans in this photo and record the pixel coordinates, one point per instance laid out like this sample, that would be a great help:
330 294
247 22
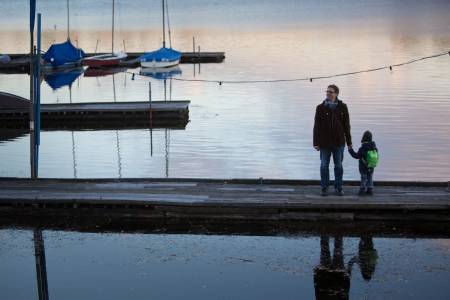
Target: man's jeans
367 180
338 157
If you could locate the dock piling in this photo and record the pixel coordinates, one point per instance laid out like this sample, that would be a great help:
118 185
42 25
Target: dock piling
96 46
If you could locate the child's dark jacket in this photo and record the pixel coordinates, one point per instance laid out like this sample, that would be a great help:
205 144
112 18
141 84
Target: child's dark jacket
361 155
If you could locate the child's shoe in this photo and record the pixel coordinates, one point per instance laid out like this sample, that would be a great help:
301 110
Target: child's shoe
369 191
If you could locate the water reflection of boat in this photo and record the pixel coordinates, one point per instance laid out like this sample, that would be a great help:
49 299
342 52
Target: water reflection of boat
161 73
67 77
99 72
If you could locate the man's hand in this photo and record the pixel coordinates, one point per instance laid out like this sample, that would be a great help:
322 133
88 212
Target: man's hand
317 148
350 147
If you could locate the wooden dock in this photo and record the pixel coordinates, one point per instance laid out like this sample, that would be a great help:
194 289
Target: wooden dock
20 63
14 113
246 202
186 58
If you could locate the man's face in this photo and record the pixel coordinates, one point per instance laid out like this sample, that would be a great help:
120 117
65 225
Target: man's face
331 94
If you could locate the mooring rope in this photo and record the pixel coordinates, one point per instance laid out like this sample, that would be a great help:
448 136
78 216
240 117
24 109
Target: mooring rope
390 67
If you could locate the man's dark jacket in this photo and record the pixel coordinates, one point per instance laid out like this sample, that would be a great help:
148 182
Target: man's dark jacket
332 126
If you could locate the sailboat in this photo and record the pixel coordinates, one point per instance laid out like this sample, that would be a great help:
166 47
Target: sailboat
64 55
106 60
164 57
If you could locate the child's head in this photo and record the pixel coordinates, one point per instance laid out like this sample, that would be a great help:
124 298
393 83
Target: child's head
367 137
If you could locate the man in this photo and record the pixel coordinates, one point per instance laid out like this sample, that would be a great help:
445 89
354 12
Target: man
331 133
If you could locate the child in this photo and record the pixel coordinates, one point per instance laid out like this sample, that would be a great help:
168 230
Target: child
368 159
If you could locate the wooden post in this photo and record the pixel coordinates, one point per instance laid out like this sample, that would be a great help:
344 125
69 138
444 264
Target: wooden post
199 59
150 99
33 128
167 151
193 44
151 122
32 83
37 118
165 89
41 265
35 134
73 157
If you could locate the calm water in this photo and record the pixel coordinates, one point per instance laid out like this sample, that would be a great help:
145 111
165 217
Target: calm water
159 266
261 130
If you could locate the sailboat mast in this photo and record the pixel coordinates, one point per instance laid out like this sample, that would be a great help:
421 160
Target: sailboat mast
168 24
68 21
112 31
164 24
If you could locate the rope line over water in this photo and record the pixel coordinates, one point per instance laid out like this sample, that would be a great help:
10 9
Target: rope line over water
390 67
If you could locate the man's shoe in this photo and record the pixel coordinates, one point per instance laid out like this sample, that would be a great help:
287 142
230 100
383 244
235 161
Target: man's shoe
369 191
339 192
324 192
362 192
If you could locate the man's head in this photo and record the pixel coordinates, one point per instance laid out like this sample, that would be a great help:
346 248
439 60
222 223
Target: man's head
332 92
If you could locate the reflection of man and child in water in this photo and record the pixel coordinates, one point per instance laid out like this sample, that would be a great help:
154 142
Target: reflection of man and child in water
332 277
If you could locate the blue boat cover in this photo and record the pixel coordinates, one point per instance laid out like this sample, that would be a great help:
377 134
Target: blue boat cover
59 80
4 58
163 54
59 54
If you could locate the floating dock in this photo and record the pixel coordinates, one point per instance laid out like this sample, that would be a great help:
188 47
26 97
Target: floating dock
14 113
223 202
20 63
104 115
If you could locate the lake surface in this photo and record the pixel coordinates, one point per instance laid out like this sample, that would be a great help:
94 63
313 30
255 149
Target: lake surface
182 266
249 130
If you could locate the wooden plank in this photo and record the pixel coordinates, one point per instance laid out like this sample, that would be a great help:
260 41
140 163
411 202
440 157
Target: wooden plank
108 106
217 198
